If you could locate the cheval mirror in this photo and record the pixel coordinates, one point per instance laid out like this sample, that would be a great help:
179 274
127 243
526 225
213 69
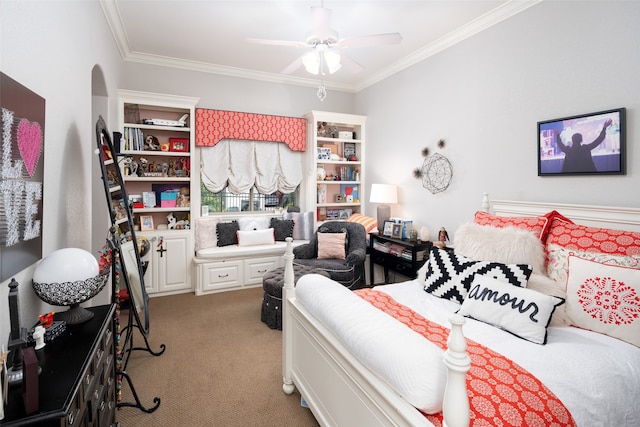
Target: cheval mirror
121 239
121 218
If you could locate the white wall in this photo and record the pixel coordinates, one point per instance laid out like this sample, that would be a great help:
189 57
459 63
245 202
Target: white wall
51 47
485 96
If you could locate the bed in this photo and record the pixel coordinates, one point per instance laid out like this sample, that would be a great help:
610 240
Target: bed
585 378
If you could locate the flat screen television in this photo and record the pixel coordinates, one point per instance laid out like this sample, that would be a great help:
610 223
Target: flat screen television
586 144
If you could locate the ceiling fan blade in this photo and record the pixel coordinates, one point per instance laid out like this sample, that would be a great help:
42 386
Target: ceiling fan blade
321 22
350 64
277 42
373 40
293 66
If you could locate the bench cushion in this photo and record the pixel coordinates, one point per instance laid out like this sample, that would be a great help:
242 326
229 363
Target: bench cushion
235 251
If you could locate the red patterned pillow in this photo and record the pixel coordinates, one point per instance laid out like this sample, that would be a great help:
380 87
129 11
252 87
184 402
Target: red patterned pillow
538 225
593 239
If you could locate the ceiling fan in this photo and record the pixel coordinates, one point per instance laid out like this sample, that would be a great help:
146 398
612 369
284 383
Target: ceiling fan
323 42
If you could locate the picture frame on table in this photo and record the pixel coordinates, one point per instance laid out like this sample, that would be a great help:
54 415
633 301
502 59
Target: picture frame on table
396 232
388 229
146 223
600 136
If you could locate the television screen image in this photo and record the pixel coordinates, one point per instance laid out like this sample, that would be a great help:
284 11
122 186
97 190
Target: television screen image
588 144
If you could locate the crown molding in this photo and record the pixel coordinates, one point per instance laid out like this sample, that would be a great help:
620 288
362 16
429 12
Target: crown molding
479 24
489 19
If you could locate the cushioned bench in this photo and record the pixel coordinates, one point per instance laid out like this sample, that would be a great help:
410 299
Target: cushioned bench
233 266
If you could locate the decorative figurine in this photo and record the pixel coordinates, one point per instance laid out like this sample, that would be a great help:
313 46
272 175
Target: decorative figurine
46 320
38 335
443 236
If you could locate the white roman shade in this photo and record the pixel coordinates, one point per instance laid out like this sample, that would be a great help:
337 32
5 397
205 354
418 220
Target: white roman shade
239 165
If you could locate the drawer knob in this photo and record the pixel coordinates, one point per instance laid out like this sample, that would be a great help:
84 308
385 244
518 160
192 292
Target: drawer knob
223 275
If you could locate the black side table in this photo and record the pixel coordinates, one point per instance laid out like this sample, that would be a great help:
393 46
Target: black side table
402 256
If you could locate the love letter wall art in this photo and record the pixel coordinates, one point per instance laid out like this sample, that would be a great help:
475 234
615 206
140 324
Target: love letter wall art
21 176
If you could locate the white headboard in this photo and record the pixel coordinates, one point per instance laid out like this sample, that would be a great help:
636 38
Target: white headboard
598 216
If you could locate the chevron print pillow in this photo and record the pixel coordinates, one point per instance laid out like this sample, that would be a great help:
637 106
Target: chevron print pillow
449 276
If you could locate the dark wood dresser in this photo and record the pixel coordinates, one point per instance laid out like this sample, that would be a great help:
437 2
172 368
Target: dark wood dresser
77 386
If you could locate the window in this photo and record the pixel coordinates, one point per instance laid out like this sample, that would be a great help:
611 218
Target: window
226 201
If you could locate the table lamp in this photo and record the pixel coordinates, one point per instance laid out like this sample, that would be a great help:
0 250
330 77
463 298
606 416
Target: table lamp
384 194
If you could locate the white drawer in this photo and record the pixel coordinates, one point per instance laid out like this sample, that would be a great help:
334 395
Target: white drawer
220 275
255 268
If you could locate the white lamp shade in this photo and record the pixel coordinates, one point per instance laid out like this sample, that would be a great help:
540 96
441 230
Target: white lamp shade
384 193
333 61
311 62
66 265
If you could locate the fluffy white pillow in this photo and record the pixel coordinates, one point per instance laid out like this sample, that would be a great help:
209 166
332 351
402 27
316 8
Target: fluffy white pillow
254 222
523 312
256 237
604 298
508 245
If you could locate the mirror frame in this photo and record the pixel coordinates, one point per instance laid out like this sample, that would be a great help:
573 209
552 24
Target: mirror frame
103 138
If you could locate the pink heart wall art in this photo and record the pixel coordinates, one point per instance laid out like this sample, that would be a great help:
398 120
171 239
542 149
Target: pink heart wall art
30 144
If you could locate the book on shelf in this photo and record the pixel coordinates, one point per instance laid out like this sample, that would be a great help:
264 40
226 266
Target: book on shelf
396 249
133 139
381 247
347 173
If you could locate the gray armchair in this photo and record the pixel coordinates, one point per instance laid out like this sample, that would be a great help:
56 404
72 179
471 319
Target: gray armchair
348 271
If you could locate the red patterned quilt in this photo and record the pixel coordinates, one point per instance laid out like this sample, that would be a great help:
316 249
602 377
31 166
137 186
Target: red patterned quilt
501 393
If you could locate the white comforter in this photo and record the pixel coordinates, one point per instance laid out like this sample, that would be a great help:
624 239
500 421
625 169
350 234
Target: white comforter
595 376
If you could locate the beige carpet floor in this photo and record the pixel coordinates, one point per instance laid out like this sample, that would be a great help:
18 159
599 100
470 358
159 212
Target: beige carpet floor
222 366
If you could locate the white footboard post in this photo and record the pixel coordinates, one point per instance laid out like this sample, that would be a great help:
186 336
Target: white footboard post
455 408
288 291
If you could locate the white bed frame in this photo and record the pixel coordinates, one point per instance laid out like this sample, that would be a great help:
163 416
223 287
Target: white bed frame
340 391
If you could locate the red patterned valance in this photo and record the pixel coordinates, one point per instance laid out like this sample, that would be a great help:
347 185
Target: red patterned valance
214 125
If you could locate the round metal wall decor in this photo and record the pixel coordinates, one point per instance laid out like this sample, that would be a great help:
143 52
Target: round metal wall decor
436 173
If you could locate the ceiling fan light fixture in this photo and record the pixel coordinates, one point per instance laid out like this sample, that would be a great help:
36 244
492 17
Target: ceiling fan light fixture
332 60
311 62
